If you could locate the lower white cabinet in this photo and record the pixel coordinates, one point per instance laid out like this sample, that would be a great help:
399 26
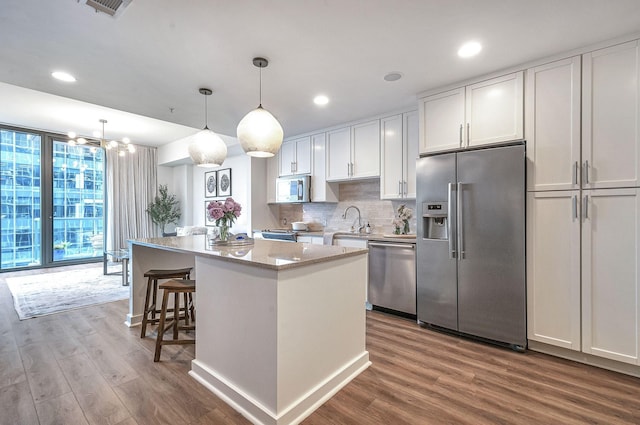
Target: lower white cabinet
314 240
350 242
583 271
610 270
553 268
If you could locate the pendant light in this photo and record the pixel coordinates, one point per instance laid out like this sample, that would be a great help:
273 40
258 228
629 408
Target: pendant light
207 148
259 133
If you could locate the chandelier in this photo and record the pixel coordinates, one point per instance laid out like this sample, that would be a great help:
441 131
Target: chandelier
123 146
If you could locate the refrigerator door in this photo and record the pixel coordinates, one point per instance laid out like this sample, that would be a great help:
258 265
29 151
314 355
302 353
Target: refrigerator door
491 269
437 296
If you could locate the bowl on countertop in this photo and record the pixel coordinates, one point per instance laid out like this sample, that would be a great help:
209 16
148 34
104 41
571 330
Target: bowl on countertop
299 226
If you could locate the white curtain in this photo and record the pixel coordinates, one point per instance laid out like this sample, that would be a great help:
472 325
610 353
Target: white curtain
131 186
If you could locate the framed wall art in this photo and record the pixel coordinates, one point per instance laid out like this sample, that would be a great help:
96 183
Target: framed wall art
224 182
208 220
210 184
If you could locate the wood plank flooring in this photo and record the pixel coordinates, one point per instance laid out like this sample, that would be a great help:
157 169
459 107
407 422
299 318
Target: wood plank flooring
86 367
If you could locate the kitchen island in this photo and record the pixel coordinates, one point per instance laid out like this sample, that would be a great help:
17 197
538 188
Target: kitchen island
280 326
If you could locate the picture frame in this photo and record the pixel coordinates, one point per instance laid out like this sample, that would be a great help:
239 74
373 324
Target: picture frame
208 220
224 182
210 184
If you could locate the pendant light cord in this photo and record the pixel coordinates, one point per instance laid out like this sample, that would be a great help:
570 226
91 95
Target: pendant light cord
260 87
206 114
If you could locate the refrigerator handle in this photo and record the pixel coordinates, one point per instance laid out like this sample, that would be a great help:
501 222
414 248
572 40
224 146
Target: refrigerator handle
452 250
459 222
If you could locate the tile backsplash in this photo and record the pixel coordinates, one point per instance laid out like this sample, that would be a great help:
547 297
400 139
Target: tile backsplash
363 194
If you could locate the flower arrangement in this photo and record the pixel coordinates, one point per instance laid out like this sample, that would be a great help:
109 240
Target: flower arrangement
224 213
401 222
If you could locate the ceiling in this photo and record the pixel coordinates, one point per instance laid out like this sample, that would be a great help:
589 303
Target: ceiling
141 70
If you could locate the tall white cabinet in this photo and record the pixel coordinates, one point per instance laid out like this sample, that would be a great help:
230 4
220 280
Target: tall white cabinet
399 151
583 232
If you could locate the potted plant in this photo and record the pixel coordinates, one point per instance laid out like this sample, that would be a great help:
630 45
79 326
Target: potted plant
58 250
164 209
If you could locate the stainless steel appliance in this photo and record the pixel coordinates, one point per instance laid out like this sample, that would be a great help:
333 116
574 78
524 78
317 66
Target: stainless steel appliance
471 243
293 189
280 234
392 276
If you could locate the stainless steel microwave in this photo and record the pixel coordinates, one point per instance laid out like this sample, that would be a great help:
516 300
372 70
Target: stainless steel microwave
293 189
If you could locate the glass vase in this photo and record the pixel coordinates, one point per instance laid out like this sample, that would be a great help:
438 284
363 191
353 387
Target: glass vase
405 230
224 232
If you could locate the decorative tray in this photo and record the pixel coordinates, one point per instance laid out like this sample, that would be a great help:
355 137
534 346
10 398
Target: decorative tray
232 242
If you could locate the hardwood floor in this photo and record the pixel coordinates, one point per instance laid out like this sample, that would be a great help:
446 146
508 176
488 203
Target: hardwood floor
86 367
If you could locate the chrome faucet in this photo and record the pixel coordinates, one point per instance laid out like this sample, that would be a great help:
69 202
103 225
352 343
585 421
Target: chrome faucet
360 226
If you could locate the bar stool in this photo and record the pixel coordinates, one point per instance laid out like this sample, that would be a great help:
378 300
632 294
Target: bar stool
175 287
150 302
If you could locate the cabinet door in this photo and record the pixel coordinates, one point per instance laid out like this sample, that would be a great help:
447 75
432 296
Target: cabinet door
339 154
494 110
303 156
287 157
610 236
611 117
553 125
553 268
365 150
441 121
392 158
320 190
410 130
272 174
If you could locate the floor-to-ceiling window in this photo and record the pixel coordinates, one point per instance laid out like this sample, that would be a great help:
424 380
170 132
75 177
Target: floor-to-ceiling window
52 197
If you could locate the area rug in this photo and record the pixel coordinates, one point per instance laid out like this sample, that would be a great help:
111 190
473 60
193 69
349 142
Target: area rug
48 293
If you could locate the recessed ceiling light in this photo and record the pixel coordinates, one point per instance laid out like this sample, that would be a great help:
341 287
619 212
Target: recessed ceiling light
393 76
469 49
63 76
321 99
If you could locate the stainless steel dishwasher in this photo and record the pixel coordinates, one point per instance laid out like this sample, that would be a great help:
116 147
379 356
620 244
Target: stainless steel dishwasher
392 276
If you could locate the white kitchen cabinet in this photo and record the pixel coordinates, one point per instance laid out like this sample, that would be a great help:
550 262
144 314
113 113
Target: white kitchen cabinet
610 273
321 191
611 117
354 152
272 175
314 240
350 242
399 148
295 157
553 268
484 113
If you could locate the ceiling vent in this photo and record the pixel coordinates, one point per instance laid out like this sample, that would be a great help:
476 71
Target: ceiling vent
110 7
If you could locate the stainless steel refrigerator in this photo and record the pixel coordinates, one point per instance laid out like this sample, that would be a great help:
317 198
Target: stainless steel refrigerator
471 243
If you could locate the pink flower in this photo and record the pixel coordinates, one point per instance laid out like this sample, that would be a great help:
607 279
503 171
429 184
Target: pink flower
224 213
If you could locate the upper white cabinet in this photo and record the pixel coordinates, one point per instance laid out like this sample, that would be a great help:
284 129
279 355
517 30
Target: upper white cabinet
321 191
399 147
487 112
610 274
295 157
354 152
611 117
553 125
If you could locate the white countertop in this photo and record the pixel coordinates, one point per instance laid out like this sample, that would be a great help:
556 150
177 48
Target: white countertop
269 254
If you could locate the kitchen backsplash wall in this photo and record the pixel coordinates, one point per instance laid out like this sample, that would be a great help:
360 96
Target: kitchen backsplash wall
363 194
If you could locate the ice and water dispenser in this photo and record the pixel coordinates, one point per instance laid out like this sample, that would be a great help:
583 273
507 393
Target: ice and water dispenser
434 220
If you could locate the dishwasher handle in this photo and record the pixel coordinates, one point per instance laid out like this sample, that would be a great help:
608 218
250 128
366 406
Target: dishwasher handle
393 245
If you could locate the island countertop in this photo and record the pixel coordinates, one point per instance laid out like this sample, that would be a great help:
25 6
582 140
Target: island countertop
276 255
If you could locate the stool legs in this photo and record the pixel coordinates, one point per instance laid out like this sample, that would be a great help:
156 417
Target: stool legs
173 322
145 317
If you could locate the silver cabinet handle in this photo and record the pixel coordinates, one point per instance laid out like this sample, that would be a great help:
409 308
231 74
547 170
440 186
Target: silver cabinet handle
468 134
575 207
409 245
461 135
452 249
460 226
404 184
575 173
586 172
399 187
585 206
349 169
